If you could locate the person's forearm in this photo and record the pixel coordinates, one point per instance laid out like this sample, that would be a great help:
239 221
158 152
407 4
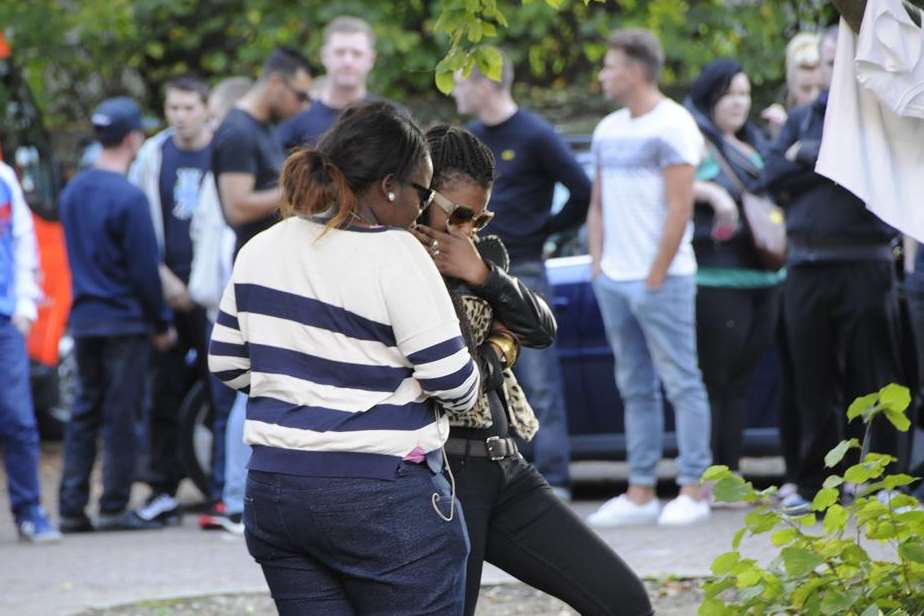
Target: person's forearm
254 206
674 227
595 222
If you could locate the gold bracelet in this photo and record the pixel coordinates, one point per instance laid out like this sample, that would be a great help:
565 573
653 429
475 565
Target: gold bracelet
508 346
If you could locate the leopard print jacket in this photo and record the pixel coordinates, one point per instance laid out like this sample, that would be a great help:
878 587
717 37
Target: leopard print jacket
521 416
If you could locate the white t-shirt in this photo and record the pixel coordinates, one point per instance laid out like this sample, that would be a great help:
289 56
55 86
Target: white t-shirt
631 155
890 57
867 146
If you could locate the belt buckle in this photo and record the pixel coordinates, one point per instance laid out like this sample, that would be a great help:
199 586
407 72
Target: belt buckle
489 444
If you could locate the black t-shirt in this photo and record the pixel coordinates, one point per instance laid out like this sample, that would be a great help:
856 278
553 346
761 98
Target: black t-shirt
181 174
243 144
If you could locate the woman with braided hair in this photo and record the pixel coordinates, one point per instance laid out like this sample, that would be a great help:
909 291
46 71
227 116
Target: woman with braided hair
514 519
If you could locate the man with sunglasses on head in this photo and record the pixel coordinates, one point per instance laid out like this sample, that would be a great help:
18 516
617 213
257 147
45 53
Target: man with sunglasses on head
531 159
246 163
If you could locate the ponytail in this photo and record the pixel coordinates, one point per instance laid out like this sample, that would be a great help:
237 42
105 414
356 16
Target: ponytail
313 185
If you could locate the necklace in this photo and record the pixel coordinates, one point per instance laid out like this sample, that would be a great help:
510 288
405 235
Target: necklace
371 223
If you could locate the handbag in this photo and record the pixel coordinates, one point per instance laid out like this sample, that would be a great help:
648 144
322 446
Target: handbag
764 218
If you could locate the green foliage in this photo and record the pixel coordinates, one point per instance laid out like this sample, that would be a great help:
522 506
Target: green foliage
76 52
826 571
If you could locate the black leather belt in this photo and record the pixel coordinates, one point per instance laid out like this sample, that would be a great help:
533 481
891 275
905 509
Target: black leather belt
495 448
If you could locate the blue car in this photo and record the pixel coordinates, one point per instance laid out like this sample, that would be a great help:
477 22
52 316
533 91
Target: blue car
595 412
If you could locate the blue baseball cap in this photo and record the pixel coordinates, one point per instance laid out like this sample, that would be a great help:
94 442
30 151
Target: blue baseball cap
115 118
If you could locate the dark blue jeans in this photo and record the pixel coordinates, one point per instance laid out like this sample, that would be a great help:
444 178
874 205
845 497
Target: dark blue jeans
111 371
18 435
341 546
539 374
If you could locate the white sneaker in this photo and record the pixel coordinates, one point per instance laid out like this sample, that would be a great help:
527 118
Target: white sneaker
620 511
683 511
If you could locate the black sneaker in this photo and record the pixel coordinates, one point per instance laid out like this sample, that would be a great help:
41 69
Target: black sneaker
163 508
127 520
75 524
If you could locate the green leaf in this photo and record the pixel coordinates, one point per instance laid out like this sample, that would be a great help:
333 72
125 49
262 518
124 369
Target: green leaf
716 472
860 405
898 419
799 561
445 81
893 481
761 521
858 473
749 577
736 540
872 610
836 602
895 398
723 564
833 457
713 607
806 520
825 498
833 481
835 519
490 62
783 537
732 489
912 551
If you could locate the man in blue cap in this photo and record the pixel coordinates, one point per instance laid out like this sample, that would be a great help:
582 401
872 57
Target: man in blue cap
19 293
118 311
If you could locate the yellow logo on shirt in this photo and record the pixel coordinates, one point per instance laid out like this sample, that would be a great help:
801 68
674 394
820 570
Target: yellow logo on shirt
508 155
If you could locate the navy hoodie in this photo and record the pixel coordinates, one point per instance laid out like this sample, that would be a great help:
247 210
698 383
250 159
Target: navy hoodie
113 257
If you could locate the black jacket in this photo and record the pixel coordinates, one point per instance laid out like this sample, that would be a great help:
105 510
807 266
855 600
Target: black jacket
737 251
824 221
523 312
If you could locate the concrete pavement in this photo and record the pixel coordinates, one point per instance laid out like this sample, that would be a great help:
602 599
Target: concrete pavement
105 569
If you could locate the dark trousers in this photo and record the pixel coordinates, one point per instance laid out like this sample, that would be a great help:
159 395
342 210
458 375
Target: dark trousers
734 328
790 434
171 378
516 523
539 374
343 547
19 439
111 371
843 326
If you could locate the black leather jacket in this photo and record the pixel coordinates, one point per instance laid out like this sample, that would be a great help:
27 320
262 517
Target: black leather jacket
523 312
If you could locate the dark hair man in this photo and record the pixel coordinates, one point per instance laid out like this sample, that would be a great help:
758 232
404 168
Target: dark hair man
170 168
644 269
840 303
117 304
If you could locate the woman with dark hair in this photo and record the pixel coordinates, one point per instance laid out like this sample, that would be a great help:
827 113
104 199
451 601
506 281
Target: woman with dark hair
737 302
340 329
514 519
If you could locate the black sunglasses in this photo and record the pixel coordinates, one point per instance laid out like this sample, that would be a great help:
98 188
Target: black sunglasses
303 97
458 214
426 195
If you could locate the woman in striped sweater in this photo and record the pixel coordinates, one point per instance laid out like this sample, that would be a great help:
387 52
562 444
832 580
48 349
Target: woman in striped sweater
339 328
514 519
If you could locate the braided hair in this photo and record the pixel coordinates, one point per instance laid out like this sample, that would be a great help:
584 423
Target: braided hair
459 156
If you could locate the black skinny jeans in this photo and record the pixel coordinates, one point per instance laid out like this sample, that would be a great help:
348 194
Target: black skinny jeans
734 328
843 325
516 523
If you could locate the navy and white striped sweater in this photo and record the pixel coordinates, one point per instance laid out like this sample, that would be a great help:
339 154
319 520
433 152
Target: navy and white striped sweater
340 341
